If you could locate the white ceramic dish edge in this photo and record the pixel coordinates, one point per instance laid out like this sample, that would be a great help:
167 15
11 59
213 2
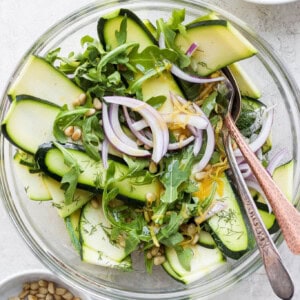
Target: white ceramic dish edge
12 286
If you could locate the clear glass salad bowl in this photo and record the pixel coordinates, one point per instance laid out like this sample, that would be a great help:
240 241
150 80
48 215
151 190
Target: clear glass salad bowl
44 231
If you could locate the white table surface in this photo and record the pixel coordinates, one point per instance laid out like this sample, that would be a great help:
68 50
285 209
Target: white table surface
22 22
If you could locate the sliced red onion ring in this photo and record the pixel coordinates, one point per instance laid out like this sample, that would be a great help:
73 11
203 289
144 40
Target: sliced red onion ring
262 136
255 186
198 143
175 70
275 160
114 119
158 126
139 125
115 141
104 153
138 135
181 144
245 170
192 48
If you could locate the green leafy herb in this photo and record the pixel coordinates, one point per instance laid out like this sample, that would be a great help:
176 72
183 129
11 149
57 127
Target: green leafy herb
91 136
51 56
70 178
121 35
157 102
177 172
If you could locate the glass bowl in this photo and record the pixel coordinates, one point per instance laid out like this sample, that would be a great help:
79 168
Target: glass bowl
44 231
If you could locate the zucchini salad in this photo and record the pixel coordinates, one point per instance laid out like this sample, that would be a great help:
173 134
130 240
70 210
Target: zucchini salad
125 139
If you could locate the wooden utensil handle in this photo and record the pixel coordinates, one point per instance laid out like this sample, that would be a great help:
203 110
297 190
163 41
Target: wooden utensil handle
286 214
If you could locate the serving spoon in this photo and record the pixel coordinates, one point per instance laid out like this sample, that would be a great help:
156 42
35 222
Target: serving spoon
278 275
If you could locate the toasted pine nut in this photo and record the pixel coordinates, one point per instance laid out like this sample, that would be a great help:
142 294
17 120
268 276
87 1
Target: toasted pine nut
43 283
76 134
150 197
82 98
23 294
34 286
158 260
60 291
152 167
69 131
199 175
51 288
90 112
97 103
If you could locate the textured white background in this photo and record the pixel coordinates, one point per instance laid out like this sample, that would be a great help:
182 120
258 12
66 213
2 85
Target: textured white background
22 22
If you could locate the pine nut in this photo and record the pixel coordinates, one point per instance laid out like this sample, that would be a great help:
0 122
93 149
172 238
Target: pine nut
69 131
60 291
26 286
149 255
67 296
43 290
76 134
49 297
23 294
154 251
97 103
90 112
150 197
76 103
41 296
158 260
195 239
31 297
51 288
34 286
43 283
57 297
82 98
33 292
152 167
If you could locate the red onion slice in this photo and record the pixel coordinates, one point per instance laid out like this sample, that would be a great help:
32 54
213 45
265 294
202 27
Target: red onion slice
263 134
138 135
181 144
114 119
139 125
175 70
192 48
115 141
255 186
275 160
158 126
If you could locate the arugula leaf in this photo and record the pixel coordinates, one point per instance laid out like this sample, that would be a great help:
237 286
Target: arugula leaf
209 104
91 136
121 35
178 171
51 56
135 165
157 102
151 57
168 29
70 178
172 240
112 56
